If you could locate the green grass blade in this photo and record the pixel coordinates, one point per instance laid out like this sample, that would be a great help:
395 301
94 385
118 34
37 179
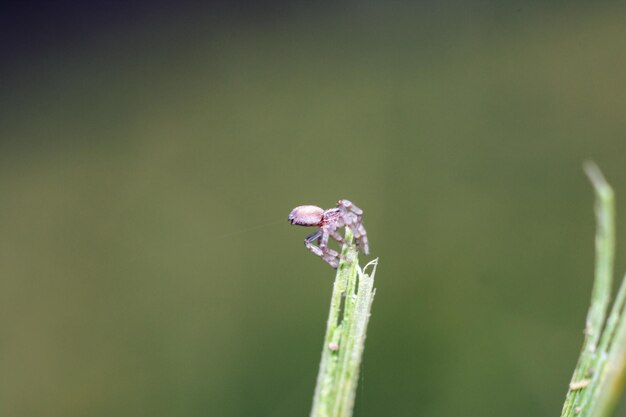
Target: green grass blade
589 370
350 306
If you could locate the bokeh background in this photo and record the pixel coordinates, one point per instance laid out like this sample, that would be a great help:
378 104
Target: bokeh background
151 151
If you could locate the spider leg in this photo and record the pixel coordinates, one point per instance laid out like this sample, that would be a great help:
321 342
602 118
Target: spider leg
349 206
352 216
335 235
330 256
361 238
323 251
308 242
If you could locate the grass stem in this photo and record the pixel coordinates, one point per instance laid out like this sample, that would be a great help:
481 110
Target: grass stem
598 378
350 306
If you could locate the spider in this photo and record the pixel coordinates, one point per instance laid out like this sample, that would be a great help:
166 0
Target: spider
345 214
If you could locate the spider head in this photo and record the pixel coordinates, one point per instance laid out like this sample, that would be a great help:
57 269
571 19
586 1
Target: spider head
306 216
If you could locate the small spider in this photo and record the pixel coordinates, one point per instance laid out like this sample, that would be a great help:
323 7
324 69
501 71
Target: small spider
345 214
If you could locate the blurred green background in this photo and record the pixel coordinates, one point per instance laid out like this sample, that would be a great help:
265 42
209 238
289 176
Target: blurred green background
147 169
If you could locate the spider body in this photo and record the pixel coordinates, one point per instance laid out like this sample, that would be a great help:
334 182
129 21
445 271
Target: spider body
345 214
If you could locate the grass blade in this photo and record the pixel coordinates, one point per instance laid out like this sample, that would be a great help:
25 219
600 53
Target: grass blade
591 363
350 306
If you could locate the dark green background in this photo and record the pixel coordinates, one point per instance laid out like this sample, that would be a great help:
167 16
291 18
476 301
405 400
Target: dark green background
147 170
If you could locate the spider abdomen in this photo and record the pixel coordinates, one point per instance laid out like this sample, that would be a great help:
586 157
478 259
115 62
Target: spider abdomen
306 216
